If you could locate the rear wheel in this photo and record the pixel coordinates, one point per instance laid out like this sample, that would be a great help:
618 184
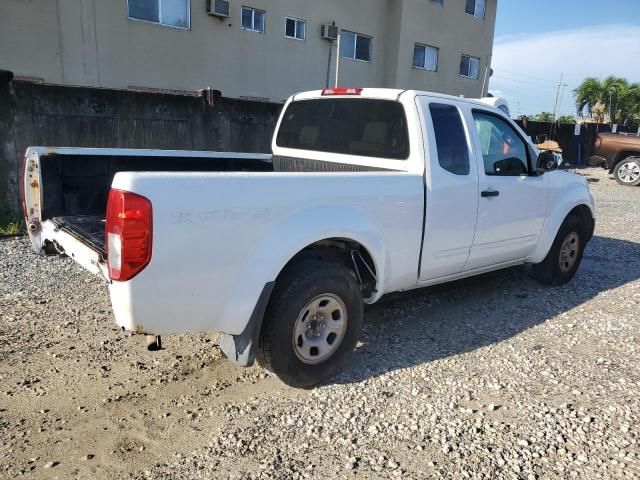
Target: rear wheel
312 323
565 255
627 171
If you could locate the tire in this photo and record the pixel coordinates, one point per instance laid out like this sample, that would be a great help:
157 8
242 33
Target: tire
627 171
298 320
564 257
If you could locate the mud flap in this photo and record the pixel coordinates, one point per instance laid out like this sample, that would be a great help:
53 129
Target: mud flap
241 349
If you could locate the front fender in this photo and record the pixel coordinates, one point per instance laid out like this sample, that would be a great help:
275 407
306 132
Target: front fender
284 240
565 199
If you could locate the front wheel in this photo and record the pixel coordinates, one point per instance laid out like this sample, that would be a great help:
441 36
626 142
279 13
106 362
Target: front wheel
312 323
565 255
627 171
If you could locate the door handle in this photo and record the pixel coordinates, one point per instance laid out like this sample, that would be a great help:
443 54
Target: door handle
489 193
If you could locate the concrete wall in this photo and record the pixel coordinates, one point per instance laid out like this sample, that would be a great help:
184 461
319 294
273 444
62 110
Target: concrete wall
93 43
50 115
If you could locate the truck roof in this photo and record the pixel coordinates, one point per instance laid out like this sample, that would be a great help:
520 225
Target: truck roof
386 94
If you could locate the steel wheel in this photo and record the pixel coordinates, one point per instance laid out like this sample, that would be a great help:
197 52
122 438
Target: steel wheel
569 252
320 329
629 172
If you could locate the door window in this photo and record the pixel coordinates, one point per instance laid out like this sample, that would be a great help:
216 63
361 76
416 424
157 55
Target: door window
503 151
451 142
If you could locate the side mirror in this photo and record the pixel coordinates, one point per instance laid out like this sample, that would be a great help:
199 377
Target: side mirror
511 166
546 162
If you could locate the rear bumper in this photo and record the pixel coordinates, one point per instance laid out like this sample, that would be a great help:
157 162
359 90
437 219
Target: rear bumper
65 242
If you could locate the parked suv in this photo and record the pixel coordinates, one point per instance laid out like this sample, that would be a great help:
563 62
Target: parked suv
621 155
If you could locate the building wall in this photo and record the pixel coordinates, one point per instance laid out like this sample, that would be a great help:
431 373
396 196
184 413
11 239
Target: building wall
93 43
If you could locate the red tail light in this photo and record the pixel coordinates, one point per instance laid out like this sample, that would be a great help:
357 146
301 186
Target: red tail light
129 234
341 91
598 141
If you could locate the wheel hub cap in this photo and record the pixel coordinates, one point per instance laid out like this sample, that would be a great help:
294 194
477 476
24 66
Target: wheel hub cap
320 328
569 251
629 172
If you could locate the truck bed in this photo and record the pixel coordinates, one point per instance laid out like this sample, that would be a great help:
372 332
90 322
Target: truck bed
67 190
89 229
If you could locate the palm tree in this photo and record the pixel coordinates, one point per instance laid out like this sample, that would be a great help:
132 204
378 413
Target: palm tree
590 92
613 95
618 97
632 104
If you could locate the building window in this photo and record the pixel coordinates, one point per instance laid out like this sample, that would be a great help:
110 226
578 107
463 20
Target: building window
355 46
253 19
469 66
476 8
439 2
173 13
295 28
425 57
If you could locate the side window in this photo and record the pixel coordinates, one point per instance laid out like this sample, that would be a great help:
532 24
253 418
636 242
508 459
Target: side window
503 151
451 142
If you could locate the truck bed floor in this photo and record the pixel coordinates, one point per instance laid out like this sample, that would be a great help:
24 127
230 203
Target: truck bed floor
89 229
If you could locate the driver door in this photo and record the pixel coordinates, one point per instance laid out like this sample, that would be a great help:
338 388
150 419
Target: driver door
513 202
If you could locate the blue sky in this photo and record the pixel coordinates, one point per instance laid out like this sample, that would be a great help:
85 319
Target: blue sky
538 40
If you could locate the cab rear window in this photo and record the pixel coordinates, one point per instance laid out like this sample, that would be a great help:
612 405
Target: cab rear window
365 127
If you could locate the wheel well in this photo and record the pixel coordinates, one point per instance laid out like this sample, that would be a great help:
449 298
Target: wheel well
584 214
621 156
347 252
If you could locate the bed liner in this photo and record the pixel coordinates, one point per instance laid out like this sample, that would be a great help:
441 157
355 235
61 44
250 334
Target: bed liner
89 229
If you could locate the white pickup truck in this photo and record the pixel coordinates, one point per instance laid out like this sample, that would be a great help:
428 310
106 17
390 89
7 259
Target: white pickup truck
368 191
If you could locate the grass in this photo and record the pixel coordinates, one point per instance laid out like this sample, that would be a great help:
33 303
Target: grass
10 222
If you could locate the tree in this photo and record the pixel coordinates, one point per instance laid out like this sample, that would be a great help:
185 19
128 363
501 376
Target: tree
546 117
614 97
588 94
567 119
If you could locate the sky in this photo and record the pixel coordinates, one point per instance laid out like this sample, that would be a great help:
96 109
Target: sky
537 41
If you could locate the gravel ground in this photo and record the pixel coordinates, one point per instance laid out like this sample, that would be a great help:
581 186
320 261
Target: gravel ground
490 377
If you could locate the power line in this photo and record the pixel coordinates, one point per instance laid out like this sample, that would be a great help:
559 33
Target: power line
515 78
524 75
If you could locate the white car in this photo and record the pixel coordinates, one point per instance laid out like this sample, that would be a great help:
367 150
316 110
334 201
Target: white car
368 191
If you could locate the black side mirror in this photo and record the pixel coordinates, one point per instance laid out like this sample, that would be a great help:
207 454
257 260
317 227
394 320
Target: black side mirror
511 166
546 162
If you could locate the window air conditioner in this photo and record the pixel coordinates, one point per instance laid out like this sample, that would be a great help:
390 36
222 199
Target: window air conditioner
329 32
218 8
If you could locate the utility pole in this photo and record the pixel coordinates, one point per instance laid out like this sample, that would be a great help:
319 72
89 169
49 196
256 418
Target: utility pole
555 102
560 100
610 94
